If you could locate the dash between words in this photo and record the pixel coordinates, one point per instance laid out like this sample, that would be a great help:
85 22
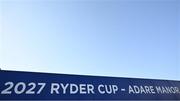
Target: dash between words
72 88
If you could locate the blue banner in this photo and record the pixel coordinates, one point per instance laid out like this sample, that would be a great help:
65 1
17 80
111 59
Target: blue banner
16 85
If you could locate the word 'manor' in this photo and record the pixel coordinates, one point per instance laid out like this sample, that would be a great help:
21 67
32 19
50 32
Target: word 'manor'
134 89
16 85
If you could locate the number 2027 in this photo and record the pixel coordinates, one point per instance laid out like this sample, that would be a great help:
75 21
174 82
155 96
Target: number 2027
21 87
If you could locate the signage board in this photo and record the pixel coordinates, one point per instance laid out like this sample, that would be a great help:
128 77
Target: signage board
15 85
